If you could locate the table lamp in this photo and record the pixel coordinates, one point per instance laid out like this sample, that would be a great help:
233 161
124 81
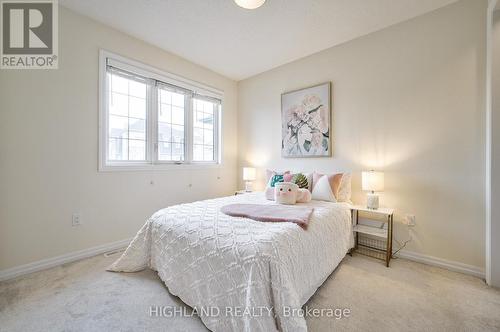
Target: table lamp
374 182
248 177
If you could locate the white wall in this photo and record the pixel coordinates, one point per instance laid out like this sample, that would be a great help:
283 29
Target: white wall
408 100
495 155
49 143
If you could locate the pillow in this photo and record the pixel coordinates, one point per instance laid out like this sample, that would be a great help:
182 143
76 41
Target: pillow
340 185
309 177
286 176
274 177
301 195
303 180
322 190
269 193
344 194
286 193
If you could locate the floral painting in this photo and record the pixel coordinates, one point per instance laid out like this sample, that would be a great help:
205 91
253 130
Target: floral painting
305 116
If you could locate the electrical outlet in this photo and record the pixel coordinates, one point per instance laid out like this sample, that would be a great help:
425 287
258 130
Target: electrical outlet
410 235
76 219
410 220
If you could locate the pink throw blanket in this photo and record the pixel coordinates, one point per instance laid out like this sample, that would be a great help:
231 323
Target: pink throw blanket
270 213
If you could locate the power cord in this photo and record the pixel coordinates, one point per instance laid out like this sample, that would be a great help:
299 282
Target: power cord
401 246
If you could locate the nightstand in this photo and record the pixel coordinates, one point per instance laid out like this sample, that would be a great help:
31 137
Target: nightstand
242 192
378 232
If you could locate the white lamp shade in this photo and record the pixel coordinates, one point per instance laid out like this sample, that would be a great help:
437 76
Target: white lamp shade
250 4
248 174
372 181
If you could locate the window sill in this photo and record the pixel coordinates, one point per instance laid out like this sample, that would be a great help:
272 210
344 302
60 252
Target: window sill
156 167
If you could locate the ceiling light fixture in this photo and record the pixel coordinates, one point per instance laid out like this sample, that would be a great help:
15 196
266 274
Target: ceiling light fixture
250 4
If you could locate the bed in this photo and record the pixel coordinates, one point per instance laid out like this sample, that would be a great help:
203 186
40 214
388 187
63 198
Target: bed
241 274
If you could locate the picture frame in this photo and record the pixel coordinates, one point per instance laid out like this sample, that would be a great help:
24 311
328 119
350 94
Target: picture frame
306 122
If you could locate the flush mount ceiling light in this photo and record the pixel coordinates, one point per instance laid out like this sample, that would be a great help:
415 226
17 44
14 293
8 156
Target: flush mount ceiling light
250 4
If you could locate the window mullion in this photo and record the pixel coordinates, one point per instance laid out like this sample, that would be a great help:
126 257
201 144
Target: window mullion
215 126
105 120
153 123
188 128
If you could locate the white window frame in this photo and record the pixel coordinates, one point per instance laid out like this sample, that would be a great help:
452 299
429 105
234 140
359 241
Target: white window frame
152 162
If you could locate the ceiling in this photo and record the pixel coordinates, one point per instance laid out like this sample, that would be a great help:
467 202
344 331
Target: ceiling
239 43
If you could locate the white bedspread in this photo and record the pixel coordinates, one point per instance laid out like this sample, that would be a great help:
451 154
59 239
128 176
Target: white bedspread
238 265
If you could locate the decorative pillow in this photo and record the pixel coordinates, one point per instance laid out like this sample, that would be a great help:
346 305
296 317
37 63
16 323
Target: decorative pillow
340 185
286 193
304 196
322 190
300 180
274 177
270 173
309 177
290 193
270 193
303 180
344 193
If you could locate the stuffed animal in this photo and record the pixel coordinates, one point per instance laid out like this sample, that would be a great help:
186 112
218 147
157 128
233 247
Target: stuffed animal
290 193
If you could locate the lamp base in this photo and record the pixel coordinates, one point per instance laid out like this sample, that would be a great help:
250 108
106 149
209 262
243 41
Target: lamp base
372 201
248 186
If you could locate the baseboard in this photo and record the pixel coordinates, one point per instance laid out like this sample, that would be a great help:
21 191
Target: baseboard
58 260
443 263
85 253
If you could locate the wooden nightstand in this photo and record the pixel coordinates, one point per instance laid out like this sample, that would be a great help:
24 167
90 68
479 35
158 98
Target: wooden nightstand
378 232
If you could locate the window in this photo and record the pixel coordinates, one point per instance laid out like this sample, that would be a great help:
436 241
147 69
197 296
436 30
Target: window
203 129
127 116
171 120
151 119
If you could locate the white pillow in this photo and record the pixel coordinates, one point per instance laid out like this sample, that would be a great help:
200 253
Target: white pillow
322 190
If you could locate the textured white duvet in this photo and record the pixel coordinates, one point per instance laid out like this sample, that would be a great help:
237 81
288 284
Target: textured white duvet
239 265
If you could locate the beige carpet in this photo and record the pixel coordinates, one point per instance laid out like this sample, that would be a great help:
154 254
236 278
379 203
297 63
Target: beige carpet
406 297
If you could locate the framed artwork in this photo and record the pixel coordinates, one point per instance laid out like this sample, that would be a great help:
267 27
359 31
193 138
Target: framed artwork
305 122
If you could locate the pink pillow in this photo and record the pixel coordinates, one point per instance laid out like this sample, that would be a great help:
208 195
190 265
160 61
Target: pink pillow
335 181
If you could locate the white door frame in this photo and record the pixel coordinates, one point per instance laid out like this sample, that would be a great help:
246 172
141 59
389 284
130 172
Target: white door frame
489 68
